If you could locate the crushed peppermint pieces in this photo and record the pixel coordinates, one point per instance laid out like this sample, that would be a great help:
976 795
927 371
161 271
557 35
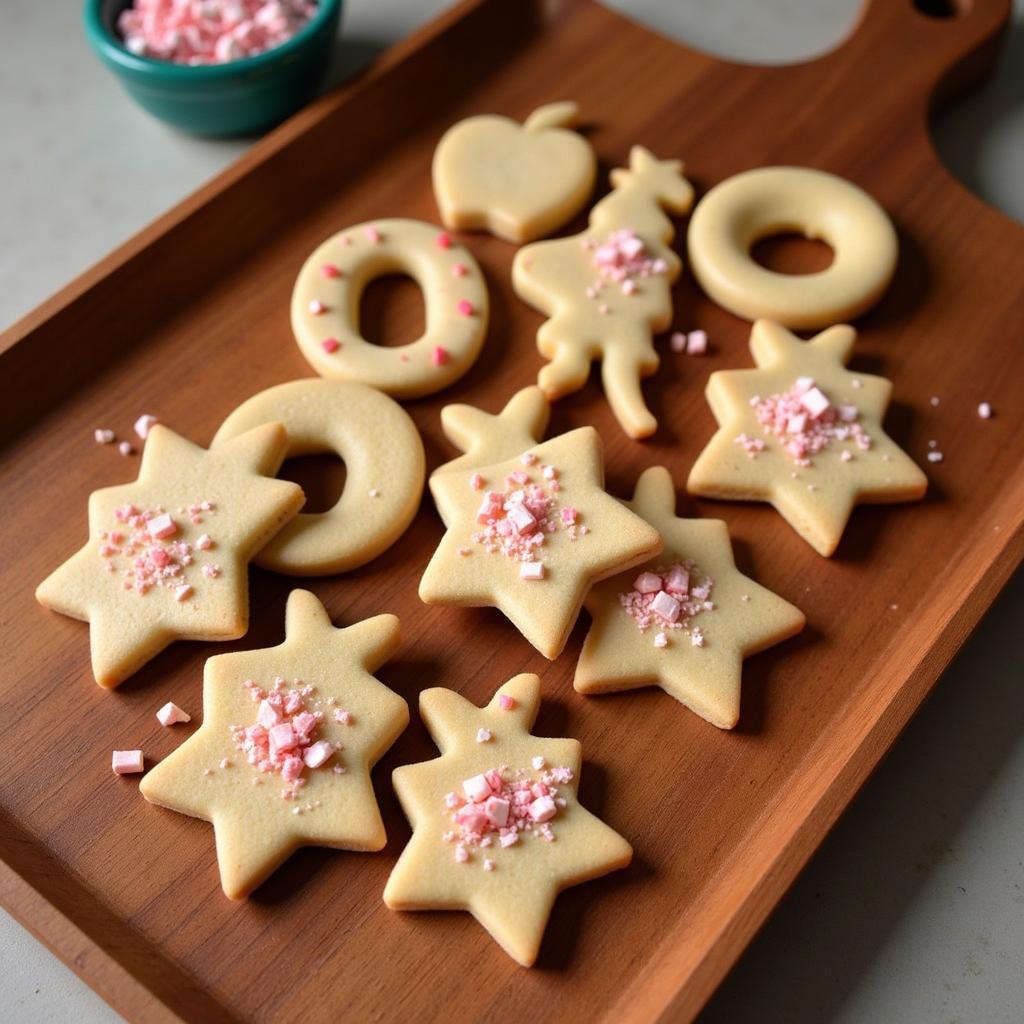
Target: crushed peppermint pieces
506 703
501 806
806 422
171 714
669 598
283 740
127 762
144 424
147 548
196 32
103 436
622 258
516 522
985 411
330 345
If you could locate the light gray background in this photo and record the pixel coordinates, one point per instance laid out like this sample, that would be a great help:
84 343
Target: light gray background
913 910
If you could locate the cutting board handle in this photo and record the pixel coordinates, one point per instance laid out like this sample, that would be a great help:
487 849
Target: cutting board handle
941 47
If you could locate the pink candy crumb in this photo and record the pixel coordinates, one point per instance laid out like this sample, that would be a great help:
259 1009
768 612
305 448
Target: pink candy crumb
171 714
126 762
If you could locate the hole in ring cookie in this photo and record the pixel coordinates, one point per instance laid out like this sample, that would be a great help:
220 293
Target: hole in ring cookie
384 467
329 292
321 475
792 253
392 312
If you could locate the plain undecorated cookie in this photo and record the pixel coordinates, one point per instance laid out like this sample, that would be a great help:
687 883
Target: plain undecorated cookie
384 465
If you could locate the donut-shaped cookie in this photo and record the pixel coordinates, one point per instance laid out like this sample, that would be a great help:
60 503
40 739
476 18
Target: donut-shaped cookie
325 307
384 464
775 200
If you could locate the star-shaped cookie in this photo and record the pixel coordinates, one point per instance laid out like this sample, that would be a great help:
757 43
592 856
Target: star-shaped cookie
805 434
707 616
497 827
531 535
167 555
485 438
289 736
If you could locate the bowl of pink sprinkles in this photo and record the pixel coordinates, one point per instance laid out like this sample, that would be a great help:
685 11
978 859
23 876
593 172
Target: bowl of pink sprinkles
216 67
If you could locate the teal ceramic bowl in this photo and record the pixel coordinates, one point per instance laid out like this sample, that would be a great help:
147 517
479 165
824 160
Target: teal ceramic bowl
239 98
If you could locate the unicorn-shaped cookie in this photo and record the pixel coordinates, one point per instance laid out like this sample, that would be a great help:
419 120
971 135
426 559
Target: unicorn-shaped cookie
606 290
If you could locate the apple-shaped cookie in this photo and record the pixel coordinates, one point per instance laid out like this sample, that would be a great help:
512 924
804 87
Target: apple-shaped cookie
518 181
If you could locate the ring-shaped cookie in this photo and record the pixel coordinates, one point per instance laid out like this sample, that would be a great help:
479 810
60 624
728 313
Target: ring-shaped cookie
753 205
329 289
384 463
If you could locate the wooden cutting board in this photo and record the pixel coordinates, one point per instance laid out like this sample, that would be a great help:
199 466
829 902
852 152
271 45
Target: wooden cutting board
191 317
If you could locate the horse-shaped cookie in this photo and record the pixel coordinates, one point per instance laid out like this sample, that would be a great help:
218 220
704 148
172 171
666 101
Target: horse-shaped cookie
606 290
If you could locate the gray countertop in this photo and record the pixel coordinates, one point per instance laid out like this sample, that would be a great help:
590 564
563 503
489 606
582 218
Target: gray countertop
913 909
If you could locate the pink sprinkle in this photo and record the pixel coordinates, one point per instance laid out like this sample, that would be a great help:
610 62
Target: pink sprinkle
460 270
476 481
543 809
520 517
483 735
162 526
282 737
342 717
464 552
464 307
477 789
796 424
846 455
330 270
985 411
144 424
660 640
330 345
103 436
647 583
628 287
569 515
529 459
316 307
444 240
497 811
508 839
204 542
549 473
848 413
126 762
291 770
505 702
182 593
531 570
665 606
678 342
538 763
488 864
267 715
317 754
170 714
935 456
696 343
602 309
461 854
439 356
159 557
224 763
814 401
373 235
677 581
124 448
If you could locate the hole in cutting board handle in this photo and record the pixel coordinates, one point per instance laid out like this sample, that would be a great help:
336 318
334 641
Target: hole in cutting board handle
942 9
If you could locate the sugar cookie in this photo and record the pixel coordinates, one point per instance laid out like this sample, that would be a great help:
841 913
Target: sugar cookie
167 554
384 463
530 535
289 736
684 621
805 434
518 181
327 294
485 438
606 290
753 205
498 829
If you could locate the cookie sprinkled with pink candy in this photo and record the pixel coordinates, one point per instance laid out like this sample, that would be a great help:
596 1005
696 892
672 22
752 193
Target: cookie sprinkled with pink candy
210 31
806 422
154 552
284 738
516 521
498 806
669 598
622 259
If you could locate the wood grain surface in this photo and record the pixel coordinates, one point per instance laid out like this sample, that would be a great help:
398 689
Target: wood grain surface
191 317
